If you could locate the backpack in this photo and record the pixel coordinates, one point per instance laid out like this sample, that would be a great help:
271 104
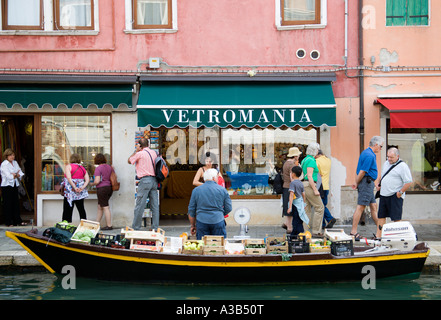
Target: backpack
278 183
160 166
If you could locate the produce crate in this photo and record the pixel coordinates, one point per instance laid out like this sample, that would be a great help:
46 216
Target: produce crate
342 248
69 228
146 235
186 251
234 247
86 225
276 245
213 250
298 245
255 251
213 240
146 245
254 241
102 239
319 249
172 245
337 235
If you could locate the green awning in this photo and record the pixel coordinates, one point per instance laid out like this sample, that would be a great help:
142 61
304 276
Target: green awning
236 104
68 95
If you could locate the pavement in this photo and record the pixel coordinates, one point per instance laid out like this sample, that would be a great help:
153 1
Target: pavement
13 255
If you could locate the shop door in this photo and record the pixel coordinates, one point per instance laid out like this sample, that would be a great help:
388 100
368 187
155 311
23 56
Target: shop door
17 133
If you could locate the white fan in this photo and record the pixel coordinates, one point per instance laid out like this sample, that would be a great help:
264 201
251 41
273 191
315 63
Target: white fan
242 216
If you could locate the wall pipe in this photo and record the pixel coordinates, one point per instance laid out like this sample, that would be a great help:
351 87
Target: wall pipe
361 73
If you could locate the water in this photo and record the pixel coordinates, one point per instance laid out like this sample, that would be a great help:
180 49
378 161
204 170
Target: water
45 286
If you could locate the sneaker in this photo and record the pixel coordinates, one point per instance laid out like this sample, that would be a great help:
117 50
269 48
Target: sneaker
107 228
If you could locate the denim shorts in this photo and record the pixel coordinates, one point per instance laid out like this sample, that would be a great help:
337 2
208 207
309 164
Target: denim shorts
366 194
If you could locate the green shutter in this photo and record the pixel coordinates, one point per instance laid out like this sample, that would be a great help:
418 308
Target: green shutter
417 12
395 12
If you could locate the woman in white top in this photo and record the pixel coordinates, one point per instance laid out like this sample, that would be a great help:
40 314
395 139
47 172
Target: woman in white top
11 176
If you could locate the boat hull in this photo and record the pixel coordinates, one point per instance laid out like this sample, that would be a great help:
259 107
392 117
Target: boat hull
136 266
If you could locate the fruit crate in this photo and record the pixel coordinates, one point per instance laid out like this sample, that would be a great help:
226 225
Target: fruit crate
146 235
146 245
187 251
342 248
255 246
255 251
172 245
276 245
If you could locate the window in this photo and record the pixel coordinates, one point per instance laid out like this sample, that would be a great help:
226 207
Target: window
421 150
49 15
407 12
74 14
61 136
152 14
300 12
15 18
247 158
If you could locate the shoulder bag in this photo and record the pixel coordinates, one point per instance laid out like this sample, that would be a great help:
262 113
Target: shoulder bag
377 194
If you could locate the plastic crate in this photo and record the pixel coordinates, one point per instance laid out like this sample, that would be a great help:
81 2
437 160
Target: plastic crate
68 228
342 248
298 245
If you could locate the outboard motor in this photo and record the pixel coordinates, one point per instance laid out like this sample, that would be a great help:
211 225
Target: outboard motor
398 235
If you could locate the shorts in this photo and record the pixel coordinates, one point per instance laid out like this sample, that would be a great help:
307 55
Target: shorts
103 194
391 207
366 194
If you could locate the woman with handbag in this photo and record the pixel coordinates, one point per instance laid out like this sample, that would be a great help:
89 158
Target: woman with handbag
11 176
75 182
103 189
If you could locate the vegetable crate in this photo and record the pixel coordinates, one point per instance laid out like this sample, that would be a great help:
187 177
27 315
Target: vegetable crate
213 245
342 248
146 245
172 245
67 227
214 240
84 225
298 244
255 246
102 239
213 250
276 245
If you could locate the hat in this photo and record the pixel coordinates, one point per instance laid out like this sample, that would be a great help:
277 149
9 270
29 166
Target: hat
294 152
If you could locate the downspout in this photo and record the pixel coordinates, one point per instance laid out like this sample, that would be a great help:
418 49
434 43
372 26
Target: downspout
361 72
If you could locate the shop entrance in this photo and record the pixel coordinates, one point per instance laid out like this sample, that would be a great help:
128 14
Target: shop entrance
17 133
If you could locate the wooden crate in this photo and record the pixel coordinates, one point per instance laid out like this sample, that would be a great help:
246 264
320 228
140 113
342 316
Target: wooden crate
254 241
213 240
86 225
255 251
146 235
213 250
135 245
319 249
276 248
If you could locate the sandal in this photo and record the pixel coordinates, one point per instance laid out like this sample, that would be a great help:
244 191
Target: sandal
356 236
107 228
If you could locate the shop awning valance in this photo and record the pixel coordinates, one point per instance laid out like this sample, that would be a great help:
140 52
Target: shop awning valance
68 95
236 104
413 112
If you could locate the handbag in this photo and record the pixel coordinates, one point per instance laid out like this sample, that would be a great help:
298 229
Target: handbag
114 181
377 194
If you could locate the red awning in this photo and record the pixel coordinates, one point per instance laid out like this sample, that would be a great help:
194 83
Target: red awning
414 112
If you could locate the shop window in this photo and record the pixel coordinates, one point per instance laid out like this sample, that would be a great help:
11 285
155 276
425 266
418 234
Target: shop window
247 158
421 150
407 12
152 14
300 12
61 136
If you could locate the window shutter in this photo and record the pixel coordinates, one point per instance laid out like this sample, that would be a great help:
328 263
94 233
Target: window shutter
417 12
395 12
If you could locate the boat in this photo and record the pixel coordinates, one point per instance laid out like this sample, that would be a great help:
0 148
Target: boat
118 264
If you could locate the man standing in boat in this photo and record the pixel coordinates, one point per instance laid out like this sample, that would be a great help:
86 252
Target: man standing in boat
367 173
143 158
209 203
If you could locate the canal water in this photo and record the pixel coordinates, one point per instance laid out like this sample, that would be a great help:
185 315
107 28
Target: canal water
42 285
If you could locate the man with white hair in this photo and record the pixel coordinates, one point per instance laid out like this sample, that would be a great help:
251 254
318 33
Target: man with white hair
392 187
209 203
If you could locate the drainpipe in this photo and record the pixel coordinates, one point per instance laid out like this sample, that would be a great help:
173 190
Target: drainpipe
361 72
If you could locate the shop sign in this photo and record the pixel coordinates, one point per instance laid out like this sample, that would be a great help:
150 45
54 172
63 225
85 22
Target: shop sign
236 116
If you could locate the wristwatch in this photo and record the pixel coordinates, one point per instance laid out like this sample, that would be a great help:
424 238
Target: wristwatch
401 192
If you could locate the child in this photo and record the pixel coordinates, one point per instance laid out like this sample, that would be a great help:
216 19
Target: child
297 198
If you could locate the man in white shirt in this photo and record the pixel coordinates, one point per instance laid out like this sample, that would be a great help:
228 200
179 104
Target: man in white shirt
393 187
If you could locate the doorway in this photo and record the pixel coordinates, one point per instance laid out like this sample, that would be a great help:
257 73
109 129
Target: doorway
17 133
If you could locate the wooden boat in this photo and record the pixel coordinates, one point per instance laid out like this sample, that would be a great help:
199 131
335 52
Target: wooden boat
108 263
